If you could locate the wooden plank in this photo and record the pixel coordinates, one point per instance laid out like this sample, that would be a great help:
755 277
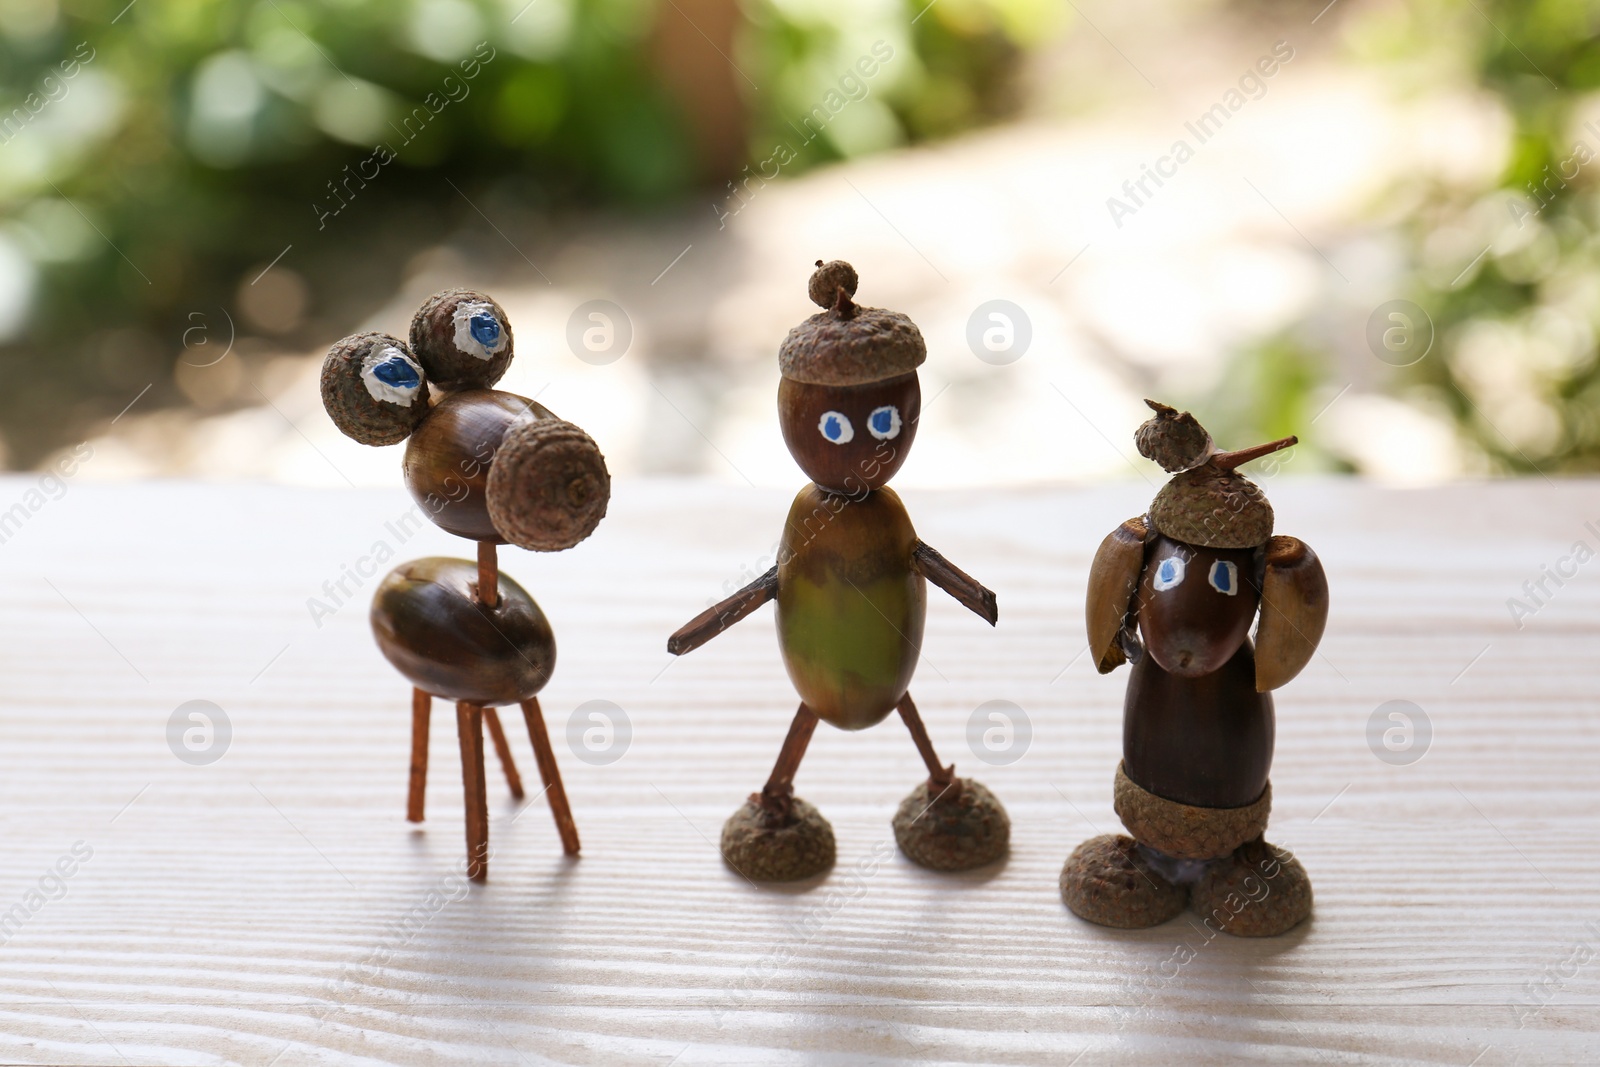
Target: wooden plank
275 906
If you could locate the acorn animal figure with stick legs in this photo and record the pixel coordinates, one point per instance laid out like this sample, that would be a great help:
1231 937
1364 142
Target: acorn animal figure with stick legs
1173 593
486 465
849 583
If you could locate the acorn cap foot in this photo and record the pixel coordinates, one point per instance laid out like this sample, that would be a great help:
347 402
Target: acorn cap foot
1259 891
966 829
1108 881
799 850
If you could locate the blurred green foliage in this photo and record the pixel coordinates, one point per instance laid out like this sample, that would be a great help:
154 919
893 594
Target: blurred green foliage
156 157
1511 275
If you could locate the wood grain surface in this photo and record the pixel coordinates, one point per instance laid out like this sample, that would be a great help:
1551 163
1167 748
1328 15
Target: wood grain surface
275 907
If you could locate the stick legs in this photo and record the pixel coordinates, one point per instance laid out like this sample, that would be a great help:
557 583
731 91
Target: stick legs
497 734
777 796
469 726
940 778
421 711
545 757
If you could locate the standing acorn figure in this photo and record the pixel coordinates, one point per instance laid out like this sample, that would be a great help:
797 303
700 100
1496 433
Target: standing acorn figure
851 593
1174 593
486 465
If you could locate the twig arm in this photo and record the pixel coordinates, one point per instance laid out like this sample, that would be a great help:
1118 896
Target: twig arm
717 618
971 593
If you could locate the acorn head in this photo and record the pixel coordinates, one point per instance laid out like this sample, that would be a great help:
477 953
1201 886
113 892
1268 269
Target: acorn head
374 390
847 344
463 339
1173 438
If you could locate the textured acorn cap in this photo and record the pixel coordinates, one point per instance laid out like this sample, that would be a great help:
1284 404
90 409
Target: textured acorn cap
765 854
1212 508
1175 439
548 485
1187 831
364 407
953 833
1256 892
1108 881
454 356
848 344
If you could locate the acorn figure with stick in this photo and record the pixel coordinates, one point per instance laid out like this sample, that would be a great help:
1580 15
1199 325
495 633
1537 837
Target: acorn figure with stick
492 467
850 591
1173 593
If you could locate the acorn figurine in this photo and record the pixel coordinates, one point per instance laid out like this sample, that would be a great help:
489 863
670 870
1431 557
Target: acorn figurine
850 591
1173 593
492 467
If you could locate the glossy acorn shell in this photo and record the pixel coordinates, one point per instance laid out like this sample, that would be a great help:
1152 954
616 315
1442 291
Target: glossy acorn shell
850 607
448 457
1192 629
429 626
1205 741
864 463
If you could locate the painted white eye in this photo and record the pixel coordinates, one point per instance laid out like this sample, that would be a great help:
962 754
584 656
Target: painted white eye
1169 573
884 422
391 375
836 428
1225 578
478 332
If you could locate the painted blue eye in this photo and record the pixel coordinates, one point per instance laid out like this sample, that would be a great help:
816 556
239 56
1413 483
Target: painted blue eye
396 371
884 422
1169 573
485 330
1225 578
836 428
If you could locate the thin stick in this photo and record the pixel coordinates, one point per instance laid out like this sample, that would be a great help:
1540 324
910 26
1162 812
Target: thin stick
545 757
503 750
488 574
421 712
469 725
939 777
777 796
717 618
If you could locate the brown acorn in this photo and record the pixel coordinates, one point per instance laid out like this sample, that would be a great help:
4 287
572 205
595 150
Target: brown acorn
430 625
448 458
373 389
463 339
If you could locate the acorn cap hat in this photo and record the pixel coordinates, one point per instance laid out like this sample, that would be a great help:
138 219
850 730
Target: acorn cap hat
847 344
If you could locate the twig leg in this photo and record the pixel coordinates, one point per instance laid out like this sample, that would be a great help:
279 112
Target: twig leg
942 780
469 725
545 757
503 750
421 711
777 796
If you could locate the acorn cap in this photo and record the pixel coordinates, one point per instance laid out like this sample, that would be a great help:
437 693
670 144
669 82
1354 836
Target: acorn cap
848 344
548 485
463 339
374 390
1210 505
1173 438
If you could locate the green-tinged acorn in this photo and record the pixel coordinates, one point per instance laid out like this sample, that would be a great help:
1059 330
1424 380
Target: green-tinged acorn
548 487
463 339
374 390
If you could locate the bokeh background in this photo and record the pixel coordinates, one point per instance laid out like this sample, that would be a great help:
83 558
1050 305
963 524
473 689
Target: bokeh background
199 197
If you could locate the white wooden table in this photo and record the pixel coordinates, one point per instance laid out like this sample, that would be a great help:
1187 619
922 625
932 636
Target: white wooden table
274 907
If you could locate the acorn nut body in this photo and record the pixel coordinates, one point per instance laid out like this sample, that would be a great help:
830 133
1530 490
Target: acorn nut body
448 458
428 624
